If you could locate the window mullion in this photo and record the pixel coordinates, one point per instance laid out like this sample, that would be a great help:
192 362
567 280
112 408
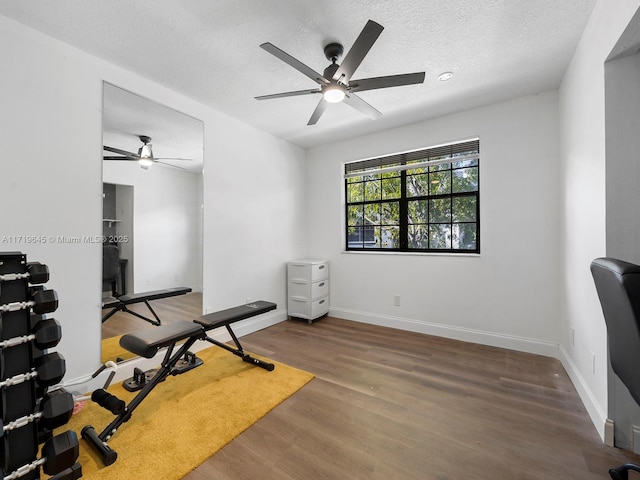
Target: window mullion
403 211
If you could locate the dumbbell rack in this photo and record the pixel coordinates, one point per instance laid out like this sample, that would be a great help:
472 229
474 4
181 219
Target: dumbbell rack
19 446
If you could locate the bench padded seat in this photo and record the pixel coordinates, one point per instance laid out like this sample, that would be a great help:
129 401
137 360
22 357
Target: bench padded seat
235 314
153 295
146 343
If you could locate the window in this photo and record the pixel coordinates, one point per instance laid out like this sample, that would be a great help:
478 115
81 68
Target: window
421 201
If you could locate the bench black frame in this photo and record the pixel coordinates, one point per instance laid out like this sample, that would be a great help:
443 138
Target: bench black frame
119 304
147 343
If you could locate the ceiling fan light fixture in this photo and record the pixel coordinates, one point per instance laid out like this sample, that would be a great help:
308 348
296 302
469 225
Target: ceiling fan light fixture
444 76
145 162
146 156
333 94
145 151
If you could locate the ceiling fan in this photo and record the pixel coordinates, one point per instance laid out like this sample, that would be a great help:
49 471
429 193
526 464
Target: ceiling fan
335 82
144 156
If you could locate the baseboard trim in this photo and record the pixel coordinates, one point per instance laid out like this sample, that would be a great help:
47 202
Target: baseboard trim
250 325
594 409
510 342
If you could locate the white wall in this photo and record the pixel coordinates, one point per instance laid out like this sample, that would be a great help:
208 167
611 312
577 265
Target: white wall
582 129
254 199
507 296
167 231
50 167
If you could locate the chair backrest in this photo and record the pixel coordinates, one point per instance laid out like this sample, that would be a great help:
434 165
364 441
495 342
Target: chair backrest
618 286
110 262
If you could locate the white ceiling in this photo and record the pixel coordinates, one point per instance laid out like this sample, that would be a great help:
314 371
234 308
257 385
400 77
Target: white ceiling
126 116
209 50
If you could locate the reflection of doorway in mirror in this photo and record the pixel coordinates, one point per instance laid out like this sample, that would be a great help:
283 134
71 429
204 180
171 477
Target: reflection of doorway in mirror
117 227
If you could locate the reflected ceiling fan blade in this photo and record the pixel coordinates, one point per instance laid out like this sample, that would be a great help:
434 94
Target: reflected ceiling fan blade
287 94
295 63
359 104
359 50
170 165
120 152
173 158
386 82
129 159
317 113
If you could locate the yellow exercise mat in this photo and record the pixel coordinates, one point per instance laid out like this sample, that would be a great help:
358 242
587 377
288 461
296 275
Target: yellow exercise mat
186 418
111 350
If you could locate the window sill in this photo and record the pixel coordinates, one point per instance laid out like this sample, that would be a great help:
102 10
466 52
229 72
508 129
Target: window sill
420 254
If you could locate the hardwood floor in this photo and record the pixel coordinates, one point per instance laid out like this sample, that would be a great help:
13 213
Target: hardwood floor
171 309
389 404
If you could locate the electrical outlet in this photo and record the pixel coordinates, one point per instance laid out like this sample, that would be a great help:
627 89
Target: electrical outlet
572 336
148 282
593 362
396 300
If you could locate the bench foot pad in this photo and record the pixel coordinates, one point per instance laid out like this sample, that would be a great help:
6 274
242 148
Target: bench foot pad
139 379
186 363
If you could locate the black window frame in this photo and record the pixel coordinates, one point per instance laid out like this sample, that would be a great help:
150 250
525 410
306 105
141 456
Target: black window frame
431 160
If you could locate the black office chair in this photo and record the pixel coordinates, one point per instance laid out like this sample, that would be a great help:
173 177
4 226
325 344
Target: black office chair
618 286
111 268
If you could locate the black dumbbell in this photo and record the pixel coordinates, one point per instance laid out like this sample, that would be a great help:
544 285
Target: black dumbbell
46 333
42 301
56 409
59 453
36 273
49 370
71 473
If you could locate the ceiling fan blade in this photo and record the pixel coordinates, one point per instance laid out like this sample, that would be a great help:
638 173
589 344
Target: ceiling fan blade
317 113
359 104
386 82
170 165
295 63
287 94
120 152
173 158
359 50
130 159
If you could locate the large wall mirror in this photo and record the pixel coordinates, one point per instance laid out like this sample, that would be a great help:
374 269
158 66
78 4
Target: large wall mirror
152 216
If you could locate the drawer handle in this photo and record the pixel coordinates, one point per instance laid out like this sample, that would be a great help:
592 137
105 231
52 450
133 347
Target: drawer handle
320 302
320 267
321 284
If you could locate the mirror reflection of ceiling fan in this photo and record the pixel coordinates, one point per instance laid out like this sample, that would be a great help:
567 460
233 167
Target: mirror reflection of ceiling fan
335 82
144 156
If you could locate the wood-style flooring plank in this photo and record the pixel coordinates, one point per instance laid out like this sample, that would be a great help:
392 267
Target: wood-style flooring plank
389 404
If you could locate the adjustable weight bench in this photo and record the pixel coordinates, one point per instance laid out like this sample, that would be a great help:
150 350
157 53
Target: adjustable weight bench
147 343
119 304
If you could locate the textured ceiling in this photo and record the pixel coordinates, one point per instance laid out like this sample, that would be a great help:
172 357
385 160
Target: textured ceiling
209 50
127 116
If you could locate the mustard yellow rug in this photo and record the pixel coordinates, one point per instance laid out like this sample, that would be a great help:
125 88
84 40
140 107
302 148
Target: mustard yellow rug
111 350
187 418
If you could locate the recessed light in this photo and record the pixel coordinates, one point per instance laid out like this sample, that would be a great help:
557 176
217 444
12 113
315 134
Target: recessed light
443 77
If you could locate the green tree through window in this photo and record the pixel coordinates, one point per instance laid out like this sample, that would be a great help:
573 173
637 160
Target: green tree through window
425 201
